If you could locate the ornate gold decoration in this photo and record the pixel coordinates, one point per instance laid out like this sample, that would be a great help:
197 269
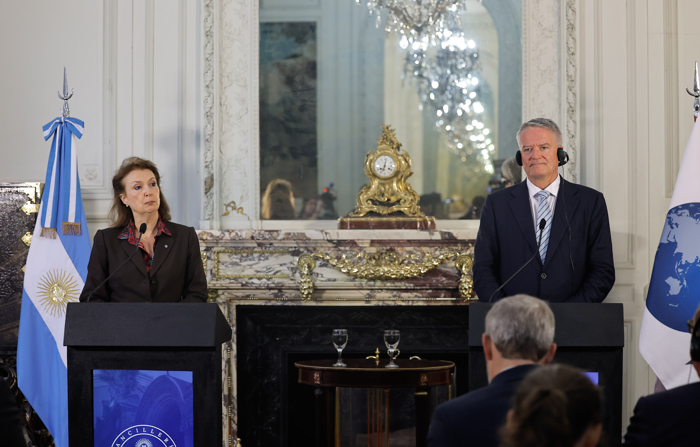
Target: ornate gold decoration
231 206
30 208
387 191
423 379
56 290
212 295
317 378
464 265
375 357
27 238
306 264
203 255
386 265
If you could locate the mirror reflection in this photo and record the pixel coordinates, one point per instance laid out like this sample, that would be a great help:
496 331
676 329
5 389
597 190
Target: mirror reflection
332 72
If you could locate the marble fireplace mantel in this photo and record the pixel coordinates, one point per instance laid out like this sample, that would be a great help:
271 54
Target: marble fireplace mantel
260 267
263 264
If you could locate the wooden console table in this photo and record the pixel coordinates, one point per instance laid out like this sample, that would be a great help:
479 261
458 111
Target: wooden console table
418 374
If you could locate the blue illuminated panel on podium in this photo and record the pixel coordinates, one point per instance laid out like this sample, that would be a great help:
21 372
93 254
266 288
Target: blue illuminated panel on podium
143 408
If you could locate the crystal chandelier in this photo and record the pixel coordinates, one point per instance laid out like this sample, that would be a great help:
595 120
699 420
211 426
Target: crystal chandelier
417 19
446 79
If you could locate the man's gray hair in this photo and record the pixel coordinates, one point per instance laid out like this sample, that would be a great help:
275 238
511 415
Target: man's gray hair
544 123
521 327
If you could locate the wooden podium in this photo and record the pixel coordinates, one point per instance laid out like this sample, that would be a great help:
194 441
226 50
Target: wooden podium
178 337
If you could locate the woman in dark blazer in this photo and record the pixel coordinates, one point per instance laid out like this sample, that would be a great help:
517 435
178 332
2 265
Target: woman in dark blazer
165 265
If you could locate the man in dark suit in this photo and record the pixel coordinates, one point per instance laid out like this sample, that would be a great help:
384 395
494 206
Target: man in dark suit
545 236
669 418
519 336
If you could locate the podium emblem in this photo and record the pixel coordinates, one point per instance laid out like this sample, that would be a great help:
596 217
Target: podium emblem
144 443
57 289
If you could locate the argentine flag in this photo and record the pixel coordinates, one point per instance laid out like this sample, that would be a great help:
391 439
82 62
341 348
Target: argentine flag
54 276
674 290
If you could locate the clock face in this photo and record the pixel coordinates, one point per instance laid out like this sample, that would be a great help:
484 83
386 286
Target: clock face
384 166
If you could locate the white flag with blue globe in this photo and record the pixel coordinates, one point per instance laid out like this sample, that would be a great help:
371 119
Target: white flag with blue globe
674 290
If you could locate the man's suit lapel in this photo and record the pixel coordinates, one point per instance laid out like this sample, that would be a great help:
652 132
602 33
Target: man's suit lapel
164 245
520 206
567 202
136 259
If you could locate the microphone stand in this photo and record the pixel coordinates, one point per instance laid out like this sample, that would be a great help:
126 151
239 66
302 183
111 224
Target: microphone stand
543 223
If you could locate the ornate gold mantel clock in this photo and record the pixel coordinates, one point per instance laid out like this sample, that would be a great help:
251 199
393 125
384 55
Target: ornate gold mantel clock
387 201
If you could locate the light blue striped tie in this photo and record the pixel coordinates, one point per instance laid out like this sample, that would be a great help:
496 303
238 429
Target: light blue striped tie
543 212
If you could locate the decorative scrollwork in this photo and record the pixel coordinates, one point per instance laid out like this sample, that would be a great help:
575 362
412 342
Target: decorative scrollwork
386 265
306 264
464 265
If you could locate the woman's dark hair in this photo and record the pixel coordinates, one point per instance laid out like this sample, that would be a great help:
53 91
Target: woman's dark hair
120 215
277 201
554 406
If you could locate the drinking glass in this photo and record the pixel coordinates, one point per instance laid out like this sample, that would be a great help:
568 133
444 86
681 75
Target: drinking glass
391 340
340 339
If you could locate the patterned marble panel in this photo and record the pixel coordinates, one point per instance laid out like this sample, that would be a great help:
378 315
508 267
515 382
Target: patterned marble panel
19 204
263 264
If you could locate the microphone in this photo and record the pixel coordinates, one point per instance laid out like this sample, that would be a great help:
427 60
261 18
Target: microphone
142 229
543 223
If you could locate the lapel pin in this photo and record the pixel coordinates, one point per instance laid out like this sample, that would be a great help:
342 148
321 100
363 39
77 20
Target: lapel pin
166 246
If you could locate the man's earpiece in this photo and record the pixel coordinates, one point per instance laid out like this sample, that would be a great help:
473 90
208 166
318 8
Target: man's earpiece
562 156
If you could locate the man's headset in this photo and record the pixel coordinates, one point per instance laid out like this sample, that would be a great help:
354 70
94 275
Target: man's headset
562 156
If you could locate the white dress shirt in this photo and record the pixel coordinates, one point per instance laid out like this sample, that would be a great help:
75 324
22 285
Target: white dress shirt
552 189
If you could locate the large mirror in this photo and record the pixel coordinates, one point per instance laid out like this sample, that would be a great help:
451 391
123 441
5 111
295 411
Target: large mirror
332 72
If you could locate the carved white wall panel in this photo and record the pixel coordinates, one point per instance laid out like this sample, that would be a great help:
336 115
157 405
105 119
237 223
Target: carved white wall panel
550 70
541 59
614 117
236 168
35 35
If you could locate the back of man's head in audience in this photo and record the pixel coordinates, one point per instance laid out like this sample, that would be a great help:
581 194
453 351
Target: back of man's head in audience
557 406
520 329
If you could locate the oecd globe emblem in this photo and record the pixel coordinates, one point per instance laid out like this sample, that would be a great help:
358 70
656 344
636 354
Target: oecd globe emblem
674 290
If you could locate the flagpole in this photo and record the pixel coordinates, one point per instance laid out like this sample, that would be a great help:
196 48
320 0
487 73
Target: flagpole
696 94
66 96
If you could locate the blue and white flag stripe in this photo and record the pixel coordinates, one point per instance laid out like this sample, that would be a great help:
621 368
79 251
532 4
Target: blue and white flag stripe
65 131
664 340
54 276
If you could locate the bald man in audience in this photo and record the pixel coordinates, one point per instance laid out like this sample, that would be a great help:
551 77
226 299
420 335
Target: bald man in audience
670 418
519 337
